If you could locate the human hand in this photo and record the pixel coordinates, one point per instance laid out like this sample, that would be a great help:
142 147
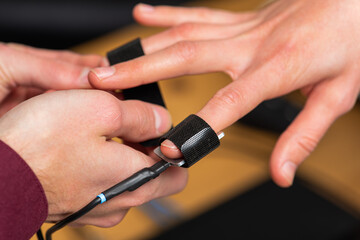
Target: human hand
26 71
289 45
65 137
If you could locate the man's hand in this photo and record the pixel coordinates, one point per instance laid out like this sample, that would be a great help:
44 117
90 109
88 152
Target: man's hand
27 71
66 139
311 45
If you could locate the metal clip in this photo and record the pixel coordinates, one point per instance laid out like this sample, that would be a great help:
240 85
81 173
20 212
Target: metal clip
177 162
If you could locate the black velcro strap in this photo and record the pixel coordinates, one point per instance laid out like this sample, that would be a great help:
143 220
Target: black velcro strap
148 93
194 137
126 52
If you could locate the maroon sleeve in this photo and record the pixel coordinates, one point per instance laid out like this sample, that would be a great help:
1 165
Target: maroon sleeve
23 204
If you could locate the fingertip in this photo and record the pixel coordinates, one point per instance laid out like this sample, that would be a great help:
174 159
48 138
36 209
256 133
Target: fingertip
278 177
145 8
94 80
170 150
284 176
140 12
96 76
285 159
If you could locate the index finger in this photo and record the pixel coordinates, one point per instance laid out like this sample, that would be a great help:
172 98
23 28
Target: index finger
182 58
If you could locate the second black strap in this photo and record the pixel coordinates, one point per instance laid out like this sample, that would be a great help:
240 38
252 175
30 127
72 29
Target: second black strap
148 93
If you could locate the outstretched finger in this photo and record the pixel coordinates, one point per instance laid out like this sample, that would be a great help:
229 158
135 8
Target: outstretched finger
326 103
183 58
227 106
257 83
167 16
194 32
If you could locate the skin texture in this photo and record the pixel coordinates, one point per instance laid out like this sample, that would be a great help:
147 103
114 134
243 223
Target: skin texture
68 145
26 71
311 45
66 136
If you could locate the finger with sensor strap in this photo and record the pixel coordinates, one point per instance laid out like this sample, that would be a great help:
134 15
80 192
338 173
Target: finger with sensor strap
195 139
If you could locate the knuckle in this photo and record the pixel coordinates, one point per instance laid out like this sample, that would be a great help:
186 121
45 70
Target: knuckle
183 31
110 111
142 128
348 105
307 143
132 72
144 119
185 51
340 102
232 72
227 98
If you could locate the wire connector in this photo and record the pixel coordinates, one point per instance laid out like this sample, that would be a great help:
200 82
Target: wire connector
102 198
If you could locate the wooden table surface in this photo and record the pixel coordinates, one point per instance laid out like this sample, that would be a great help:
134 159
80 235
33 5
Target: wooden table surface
241 163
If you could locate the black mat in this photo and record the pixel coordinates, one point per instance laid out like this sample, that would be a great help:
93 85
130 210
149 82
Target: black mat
269 212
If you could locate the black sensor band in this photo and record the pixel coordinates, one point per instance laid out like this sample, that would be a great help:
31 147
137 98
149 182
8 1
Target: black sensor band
148 93
126 52
194 137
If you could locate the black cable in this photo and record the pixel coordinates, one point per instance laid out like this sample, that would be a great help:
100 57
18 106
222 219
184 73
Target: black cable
72 217
129 184
39 235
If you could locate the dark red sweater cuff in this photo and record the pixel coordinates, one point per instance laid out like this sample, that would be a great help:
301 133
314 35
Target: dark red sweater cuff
23 204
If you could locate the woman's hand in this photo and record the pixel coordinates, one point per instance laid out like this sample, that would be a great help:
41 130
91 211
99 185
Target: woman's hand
312 45
65 137
26 71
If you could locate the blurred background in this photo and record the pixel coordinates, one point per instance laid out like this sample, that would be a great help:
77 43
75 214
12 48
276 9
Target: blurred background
230 194
61 24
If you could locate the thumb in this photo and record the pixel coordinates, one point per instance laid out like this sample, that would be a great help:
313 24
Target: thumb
18 68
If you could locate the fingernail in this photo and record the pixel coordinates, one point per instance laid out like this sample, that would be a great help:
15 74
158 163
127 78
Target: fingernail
161 125
169 144
103 72
146 8
288 170
83 78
